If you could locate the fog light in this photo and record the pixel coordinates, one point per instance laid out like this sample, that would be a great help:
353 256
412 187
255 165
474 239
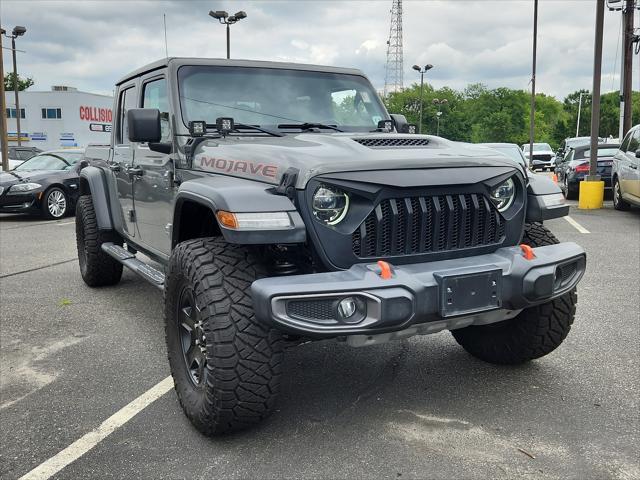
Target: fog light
347 308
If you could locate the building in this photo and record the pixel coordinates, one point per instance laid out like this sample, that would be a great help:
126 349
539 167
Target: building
62 117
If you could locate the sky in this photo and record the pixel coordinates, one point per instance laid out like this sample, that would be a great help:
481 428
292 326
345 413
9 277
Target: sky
90 44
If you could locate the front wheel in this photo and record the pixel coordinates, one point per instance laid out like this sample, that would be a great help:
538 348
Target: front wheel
225 364
534 332
618 201
55 203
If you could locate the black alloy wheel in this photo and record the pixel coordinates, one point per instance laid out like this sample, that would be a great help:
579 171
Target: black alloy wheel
192 337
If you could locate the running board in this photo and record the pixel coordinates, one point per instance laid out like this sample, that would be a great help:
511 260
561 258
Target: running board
129 260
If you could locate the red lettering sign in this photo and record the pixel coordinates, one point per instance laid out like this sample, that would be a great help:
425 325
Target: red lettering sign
95 114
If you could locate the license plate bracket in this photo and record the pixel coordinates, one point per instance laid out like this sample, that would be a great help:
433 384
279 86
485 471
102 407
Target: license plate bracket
470 292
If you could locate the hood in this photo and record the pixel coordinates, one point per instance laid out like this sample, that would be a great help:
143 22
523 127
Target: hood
266 159
12 177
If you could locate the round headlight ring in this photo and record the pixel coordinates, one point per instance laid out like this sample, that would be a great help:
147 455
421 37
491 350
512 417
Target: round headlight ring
504 194
330 204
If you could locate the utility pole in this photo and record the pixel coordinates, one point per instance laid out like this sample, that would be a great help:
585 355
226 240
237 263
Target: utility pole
3 119
627 13
394 70
533 81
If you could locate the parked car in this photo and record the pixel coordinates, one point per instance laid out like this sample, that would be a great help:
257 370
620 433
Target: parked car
542 158
575 166
45 184
574 142
18 155
625 171
511 150
269 232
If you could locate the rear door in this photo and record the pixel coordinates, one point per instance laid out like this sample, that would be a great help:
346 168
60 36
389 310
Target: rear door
123 157
153 189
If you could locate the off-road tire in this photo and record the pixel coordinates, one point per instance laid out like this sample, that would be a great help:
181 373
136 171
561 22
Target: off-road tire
534 332
241 375
618 202
97 268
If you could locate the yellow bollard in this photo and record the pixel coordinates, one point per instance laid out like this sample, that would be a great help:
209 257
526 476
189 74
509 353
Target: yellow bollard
591 195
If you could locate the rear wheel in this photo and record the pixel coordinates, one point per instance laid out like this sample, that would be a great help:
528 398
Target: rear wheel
96 267
618 201
225 364
534 332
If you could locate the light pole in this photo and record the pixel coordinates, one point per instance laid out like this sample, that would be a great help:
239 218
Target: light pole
439 103
18 31
224 18
4 148
422 71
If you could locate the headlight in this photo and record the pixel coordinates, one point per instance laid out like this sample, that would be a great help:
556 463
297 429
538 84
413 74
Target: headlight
502 196
330 204
24 187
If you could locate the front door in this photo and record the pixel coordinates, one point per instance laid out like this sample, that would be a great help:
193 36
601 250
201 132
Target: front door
123 156
630 167
153 189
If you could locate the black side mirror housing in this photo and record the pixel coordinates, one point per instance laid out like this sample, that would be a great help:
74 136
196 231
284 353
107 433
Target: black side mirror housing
638 153
400 122
144 125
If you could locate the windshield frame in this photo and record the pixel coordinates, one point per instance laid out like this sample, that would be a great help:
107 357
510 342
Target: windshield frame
183 71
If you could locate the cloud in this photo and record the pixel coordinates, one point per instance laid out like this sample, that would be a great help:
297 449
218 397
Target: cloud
91 44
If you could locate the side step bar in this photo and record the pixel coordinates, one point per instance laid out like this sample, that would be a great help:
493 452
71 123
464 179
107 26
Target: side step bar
129 260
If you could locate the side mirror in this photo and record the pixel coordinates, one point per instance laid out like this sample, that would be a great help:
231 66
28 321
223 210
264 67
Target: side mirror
400 122
638 153
144 125
82 164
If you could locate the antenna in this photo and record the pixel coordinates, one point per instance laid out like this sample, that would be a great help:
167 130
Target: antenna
393 81
166 49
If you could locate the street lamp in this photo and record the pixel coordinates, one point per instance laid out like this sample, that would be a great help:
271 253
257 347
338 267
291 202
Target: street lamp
422 71
18 31
439 103
224 18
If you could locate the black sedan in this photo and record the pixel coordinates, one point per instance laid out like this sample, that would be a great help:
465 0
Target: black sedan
46 184
575 166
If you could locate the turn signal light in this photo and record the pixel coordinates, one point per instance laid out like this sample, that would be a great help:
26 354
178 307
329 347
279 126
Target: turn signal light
227 219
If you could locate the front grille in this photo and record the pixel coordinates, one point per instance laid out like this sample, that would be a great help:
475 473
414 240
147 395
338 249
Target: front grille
417 225
390 142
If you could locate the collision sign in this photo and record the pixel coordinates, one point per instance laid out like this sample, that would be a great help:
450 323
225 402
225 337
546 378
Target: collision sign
95 114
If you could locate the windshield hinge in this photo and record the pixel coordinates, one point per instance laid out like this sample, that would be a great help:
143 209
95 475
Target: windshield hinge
287 185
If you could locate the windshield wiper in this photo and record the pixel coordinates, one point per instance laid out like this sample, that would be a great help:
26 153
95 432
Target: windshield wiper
309 126
238 126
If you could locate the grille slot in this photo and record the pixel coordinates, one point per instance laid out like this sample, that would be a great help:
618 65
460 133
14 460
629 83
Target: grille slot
418 225
390 142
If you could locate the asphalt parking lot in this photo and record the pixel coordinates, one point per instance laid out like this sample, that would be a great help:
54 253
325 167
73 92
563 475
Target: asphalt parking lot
71 357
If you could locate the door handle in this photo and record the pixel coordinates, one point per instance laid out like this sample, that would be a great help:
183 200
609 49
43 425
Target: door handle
135 171
633 165
115 167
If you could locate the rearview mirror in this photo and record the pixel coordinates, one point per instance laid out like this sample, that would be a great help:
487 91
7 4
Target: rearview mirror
144 125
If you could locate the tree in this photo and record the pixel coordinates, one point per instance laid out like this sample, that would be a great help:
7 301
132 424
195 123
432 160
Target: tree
23 84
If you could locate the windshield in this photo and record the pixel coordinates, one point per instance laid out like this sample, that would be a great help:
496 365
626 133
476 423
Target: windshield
268 97
537 147
51 161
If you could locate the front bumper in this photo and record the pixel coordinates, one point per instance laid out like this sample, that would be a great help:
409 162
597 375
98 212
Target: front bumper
425 296
20 203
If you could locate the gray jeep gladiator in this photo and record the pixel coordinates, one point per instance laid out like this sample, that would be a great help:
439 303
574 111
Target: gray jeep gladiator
278 203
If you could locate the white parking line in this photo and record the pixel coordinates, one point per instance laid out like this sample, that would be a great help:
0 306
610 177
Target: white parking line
576 225
88 441
66 223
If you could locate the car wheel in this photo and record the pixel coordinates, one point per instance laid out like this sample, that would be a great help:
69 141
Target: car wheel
55 203
618 201
226 365
534 332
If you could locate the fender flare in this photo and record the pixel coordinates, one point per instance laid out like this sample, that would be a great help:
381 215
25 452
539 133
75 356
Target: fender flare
93 182
538 191
240 196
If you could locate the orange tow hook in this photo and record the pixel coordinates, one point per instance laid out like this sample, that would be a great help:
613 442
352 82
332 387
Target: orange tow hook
527 252
385 270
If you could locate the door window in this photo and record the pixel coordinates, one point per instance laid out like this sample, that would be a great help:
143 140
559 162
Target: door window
625 142
127 101
155 96
634 142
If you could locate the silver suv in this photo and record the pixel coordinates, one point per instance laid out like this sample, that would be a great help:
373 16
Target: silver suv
625 171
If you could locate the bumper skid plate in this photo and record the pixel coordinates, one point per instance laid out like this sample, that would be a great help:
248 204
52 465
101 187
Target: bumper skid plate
424 297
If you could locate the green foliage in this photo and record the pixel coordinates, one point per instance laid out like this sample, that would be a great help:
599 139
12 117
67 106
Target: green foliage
478 114
23 83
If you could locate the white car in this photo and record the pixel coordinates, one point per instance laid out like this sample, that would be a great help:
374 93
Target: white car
543 157
625 171
18 155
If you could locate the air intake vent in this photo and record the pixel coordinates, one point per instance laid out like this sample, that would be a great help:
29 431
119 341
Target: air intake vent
390 142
